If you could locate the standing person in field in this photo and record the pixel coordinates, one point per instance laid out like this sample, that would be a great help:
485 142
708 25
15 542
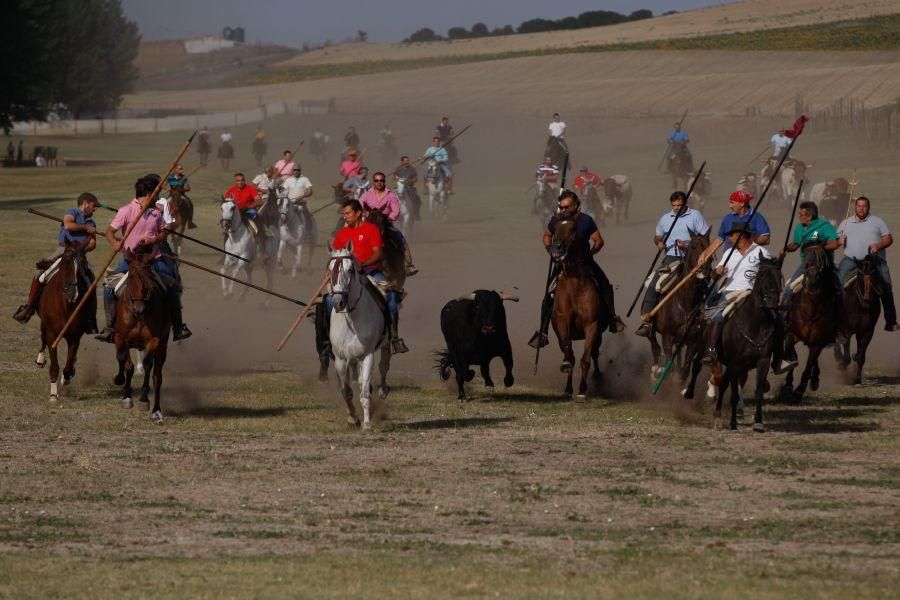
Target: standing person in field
863 234
226 150
203 147
77 229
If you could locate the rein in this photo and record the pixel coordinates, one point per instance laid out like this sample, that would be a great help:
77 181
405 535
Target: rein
335 274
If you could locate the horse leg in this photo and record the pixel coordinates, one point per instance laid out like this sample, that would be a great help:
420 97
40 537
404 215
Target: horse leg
54 375
71 356
365 388
342 369
298 260
41 358
129 373
696 366
226 284
384 366
565 344
762 371
591 339
807 371
735 399
814 380
279 253
723 386
147 363
862 343
656 350
158 361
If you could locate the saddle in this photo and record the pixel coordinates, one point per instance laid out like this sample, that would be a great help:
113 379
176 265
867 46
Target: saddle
668 277
49 268
733 301
116 282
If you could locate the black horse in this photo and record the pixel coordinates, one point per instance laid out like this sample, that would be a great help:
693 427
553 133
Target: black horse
860 310
748 340
557 150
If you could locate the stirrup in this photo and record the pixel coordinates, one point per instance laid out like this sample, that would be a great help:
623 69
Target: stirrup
411 270
710 357
644 330
785 365
398 346
538 340
23 314
183 334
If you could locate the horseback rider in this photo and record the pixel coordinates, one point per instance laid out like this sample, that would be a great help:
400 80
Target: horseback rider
266 181
351 140
410 176
226 150
77 229
556 131
350 166
689 222
586 234
444 130
248 200
678 141
179 180
779 142
357 185
810 229
284 167
864 234
298 187
549 174
742 212
737 270
586 183
259 145
203 147
149 231
368 248
381 201
437 153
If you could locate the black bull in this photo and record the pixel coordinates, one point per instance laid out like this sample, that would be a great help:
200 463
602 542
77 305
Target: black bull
474 328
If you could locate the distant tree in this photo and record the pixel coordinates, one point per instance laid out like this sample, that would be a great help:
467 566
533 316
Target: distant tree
507 30
671 12
535 25
640 14
458 33
362 36
480 30
425 34
600 18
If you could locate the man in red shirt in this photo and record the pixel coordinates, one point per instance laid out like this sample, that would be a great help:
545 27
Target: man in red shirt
368 248
247 199
584 178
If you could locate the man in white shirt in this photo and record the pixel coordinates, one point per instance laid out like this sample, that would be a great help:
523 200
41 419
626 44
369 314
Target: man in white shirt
265 182
298 187
779 142
557 128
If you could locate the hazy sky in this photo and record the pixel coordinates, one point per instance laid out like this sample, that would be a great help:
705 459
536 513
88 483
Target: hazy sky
292 22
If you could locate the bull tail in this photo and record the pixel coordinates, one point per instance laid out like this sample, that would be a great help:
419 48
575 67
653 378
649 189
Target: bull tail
442 363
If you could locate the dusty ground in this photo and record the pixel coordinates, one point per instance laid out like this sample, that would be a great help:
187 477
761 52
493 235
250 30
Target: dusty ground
254 486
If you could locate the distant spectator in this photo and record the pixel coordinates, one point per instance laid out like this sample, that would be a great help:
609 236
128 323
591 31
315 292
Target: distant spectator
39 160
10 152
20 153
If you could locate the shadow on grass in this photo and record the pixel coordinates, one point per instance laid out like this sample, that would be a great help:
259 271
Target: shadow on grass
522 398
226 412
867 401
31 202
820 420
453 423
881 379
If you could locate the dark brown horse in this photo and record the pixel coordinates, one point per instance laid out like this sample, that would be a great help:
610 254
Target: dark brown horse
578 312
142 322
813 316
748 340
674 316
182 210
860 309
58 299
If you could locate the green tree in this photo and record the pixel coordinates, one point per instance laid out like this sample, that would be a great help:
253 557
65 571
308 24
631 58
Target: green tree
426 34
480 30
458 33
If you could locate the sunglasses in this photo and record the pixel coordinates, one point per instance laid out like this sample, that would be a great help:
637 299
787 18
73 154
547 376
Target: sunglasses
378 180
565 206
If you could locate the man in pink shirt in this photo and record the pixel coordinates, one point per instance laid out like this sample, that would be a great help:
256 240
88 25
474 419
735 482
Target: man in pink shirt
150 229
350 167
285 167
382 205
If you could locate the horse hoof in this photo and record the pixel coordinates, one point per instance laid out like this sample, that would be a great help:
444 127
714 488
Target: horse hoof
383 392
119 380
508 381
127 403
157 416
367 426
565 367
352 421
814 385
687 394
489 388
580 398
67 380
144 403
759 427
54 399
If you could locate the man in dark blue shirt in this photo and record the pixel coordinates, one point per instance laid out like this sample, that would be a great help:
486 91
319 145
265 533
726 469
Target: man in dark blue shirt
741 212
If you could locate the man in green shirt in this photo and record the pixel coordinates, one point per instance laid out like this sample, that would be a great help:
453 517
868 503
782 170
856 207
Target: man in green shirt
810 230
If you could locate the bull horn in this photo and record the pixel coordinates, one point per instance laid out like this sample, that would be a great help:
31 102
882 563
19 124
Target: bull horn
467 297
508 296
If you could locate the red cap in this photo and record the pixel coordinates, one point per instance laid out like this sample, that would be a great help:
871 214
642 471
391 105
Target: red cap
740 196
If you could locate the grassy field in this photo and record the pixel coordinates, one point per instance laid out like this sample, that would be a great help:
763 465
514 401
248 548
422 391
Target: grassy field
254 486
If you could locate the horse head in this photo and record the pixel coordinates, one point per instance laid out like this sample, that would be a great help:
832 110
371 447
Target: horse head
69 264
698 243
816 265
342 269
562 241
141 284
865 277
229 210
768 283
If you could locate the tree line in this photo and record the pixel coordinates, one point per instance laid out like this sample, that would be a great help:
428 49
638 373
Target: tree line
66 56
593 18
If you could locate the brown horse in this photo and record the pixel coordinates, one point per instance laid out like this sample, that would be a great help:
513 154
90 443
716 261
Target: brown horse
860 309
58 299
182 210
578 312
674 316
142 322
813 316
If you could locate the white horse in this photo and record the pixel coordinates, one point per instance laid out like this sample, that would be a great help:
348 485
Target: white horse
437 190
545 196
239 241
357 332
295 231
405 220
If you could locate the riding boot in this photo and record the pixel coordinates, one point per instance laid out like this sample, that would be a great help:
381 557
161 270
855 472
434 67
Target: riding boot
109 309
180 331
191 224
24 313
606 294
411 269
539 339
711 355
397 345
890 310
783 359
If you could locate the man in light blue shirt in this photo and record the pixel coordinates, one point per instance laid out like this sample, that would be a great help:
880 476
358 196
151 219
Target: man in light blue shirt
678 146
439 155
687 222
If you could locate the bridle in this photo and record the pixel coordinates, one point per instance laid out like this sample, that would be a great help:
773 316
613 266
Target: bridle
336 268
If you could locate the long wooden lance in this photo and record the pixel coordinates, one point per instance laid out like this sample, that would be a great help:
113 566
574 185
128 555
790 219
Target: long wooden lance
853 182
235 279
659 251
787 236
669 144
102 272
193 239
542 325
445 144
191 174
696 312
757 157
303 314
